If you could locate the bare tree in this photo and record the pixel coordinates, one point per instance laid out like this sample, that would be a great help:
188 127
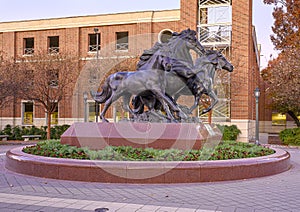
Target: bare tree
48 79
9 81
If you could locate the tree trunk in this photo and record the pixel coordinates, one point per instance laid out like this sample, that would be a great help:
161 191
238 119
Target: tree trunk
294 117
210 116
48 125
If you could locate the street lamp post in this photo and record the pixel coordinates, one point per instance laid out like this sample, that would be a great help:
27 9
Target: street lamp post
97 58
85 97
256 94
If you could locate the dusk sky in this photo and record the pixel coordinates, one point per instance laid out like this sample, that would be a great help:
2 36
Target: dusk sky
14 10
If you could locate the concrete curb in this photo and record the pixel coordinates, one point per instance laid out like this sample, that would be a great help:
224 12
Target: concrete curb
146 171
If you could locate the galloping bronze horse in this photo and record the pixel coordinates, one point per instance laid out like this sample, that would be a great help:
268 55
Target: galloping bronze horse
201 82
126 84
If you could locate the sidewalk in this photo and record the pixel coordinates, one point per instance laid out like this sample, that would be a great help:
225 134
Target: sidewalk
274 193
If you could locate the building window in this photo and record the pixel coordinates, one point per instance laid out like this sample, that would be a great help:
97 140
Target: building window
27 113
92 111
164 36
28 46
54 115
278 119
122 41
53 78
53 44
93 42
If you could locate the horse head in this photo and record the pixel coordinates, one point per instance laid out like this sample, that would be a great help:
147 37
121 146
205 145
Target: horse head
189 37
180 44
218 59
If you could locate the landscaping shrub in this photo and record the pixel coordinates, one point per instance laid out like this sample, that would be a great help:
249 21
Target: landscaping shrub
58 130
16 132
225 150
6 131
230 133
290 136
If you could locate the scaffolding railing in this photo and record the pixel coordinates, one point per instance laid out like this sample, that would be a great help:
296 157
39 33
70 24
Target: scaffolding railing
215 31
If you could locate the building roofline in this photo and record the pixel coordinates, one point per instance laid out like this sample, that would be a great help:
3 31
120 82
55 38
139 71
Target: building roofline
255 44
91 20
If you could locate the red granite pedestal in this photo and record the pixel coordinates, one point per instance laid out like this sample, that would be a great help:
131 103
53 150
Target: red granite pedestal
155 135
162 136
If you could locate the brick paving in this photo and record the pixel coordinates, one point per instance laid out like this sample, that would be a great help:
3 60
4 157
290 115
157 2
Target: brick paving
279 192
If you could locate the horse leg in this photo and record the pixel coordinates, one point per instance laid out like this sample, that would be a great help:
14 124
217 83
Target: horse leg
126 100
181 113
215 100
171 104
196 102
106 106
112 99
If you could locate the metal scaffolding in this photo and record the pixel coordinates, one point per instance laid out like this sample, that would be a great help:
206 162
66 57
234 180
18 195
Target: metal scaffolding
214 32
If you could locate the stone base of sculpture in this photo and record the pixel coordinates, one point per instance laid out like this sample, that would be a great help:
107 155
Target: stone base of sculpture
141 135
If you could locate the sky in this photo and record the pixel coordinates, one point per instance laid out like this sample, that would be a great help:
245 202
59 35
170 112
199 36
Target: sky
14 10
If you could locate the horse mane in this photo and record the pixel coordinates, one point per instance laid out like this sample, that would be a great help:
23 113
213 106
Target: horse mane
204 58
165 48
147 54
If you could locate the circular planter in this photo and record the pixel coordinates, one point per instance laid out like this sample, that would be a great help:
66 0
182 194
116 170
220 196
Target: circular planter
146 171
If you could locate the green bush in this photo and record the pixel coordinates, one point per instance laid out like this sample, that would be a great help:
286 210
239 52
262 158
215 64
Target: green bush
58 130
16 132
230 133
6 131
290 136
225 150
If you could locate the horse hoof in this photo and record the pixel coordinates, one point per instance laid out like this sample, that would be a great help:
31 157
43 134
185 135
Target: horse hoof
204 111
105 120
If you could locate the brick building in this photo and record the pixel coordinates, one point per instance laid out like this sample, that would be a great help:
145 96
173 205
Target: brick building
221 24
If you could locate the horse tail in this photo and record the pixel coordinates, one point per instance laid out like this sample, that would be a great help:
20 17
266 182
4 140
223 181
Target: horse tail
138 106
106 92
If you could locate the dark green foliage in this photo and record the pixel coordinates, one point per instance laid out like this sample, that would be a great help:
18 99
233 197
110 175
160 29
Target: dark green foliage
230 133
57 131
225 150
53 148
6 131
290 136
16 133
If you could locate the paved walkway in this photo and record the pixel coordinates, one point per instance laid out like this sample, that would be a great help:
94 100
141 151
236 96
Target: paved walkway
274 193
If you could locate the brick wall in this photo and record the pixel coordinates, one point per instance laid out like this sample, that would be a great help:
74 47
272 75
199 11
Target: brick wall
8 44
245 76
142 36
189 14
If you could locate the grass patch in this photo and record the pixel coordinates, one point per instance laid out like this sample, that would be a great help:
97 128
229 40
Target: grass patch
225 150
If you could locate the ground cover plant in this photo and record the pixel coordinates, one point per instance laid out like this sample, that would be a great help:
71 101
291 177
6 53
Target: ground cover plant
225 150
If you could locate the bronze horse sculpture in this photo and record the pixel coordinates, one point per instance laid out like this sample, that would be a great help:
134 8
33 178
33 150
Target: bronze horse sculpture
201 82
126 84
165 72
150 77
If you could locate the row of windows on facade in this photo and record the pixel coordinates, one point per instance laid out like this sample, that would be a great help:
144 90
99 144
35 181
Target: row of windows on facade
28 117
94 43
28 113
